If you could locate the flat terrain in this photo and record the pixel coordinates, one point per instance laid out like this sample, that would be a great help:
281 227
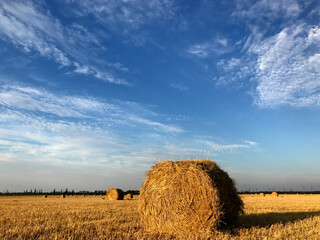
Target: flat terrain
92 217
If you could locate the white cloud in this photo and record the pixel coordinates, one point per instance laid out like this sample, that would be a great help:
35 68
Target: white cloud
287 69
40 101
281 69
156 125
49 130
200 50
229 65
50 141
125 15
217 46
28 38
26 98
234 70
176 152
224 147
179 87
270 9
251 143
102 75
33 29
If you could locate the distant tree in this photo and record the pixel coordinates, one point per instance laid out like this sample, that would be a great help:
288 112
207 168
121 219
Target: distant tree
54 191
35 191
31 191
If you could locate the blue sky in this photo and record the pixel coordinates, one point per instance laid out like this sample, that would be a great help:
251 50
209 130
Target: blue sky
92 93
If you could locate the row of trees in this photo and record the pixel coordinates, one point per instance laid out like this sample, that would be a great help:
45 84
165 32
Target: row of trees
66 191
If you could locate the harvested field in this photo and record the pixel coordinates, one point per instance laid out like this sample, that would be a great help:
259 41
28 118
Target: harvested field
35 217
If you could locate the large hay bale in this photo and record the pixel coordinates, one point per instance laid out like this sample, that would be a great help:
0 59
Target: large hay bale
63 196
188 197
45 196
261 194
114 194
275 194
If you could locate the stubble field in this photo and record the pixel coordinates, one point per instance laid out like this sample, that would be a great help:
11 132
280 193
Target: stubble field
92 217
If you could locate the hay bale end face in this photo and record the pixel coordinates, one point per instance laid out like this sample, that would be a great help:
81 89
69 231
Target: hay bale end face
128 196
114 194
188 197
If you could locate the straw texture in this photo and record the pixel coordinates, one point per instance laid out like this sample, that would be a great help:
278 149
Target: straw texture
188 196
128 196
114 194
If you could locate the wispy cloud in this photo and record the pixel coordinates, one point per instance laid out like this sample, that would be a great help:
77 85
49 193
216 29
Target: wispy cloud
234 71
270 9
26 36
217 46
179 87
227 147
39 126
280 61
40 101
251 143
287 67
126 15
176 152
33 29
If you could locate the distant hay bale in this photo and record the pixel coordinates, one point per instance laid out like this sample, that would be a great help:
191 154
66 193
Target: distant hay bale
63 196
128 196
256 194
114 194
262 194
45 196
83 195
188 197
275 194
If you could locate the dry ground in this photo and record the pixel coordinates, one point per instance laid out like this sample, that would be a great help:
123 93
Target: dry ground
92 217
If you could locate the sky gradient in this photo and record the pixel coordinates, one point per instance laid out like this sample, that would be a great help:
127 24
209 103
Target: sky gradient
92 93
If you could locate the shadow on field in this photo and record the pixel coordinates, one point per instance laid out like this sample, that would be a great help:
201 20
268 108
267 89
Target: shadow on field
266 219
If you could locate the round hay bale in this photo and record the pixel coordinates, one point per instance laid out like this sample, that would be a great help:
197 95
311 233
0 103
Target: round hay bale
63 196
275 194
188 197
128 196
114 194
45 196
262 194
